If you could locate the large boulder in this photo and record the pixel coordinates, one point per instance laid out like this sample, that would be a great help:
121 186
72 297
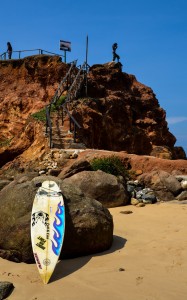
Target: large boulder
74 168
103 187
6 288
165 185
89 226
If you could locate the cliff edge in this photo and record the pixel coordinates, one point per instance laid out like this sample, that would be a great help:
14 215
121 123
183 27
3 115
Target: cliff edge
118 114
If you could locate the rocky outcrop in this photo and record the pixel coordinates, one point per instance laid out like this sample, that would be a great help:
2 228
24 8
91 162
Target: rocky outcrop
121 113
30 141
133 163
76 167
89 226
105 188
26 86
165 186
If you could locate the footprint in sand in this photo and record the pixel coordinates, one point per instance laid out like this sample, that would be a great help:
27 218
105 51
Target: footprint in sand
10 274
139 280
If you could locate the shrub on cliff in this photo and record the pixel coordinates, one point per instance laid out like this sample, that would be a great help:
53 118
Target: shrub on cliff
41 115
111 164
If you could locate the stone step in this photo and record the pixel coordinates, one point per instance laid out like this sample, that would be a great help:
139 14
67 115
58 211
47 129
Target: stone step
62 139
62 145
69 146
61 130
64 133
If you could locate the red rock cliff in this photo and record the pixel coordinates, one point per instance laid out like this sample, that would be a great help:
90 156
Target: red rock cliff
26 86
122 113
119 113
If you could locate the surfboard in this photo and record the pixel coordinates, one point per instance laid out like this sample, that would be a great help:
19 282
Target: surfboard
47 228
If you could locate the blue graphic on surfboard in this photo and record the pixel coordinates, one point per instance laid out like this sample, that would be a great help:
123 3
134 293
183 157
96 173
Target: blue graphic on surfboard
47 228
58 226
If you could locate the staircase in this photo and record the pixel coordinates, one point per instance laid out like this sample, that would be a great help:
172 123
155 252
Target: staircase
61 127
62 138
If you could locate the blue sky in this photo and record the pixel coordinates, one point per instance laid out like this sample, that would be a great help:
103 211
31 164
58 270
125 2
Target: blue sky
151 37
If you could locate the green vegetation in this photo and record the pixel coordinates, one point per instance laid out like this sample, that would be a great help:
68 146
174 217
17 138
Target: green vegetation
5 143
41 115
60 101
112 165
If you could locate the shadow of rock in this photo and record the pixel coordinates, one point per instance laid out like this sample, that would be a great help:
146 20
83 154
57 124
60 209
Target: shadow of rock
66 267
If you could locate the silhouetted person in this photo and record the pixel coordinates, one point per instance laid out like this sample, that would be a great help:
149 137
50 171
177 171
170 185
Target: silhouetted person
9 50
115 55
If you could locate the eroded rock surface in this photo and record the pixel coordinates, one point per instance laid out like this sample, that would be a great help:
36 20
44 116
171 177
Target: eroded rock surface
89 226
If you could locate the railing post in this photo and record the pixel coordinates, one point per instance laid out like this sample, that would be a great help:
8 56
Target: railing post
48 125
74 134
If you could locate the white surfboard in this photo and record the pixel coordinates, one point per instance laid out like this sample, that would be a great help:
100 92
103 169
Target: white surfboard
47 228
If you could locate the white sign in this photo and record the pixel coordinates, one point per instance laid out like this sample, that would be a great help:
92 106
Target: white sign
64 45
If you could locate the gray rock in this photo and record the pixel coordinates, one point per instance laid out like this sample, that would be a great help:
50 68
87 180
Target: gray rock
3 183
184 184
165 186
147 201
130 188
5 289
182 196
76 167
181 177
147 195
89 226
133 187
103 187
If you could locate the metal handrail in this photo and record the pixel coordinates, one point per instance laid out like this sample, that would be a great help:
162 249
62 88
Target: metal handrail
78 76
49 125
56 96
76 124
54 100
71 117
68 97
40 52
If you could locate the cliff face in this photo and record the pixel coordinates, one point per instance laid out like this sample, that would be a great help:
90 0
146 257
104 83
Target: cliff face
122 114
119 114
26 86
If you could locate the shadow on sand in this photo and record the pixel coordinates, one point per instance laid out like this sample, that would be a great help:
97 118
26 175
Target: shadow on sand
68 266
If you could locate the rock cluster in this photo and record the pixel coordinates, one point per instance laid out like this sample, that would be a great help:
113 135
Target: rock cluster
140 194
160 186
89 226
87 196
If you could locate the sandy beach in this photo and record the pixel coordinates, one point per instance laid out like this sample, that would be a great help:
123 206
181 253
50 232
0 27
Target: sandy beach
148 261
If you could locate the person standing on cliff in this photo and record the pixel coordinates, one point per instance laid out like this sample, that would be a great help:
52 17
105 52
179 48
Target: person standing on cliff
115 55
9 50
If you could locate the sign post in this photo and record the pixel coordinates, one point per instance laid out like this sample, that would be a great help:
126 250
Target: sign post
86 65
66 46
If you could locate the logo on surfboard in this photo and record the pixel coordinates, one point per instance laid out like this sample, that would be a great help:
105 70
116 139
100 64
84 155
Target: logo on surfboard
40 216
